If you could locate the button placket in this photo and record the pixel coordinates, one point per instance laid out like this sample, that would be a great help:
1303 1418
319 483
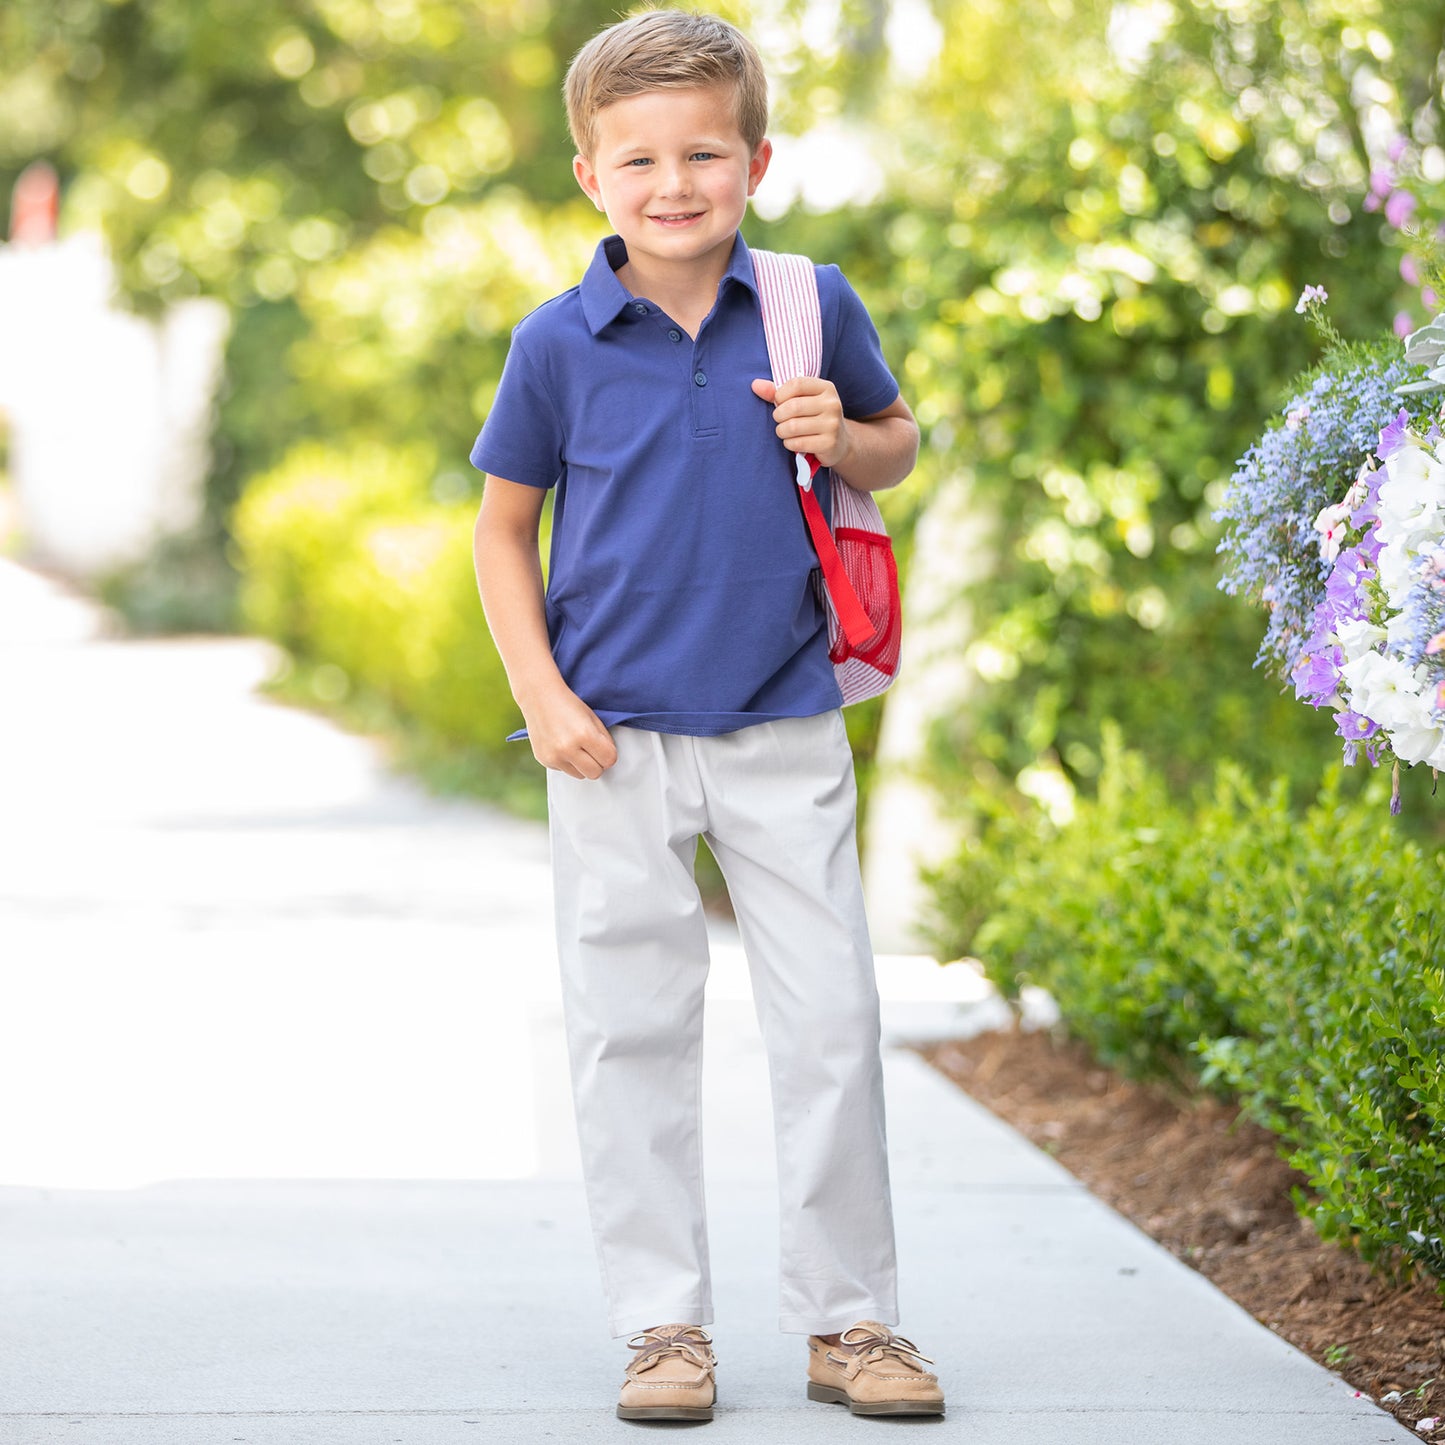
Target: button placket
704 404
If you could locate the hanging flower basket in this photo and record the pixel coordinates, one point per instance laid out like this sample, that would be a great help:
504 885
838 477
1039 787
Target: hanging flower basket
1335 521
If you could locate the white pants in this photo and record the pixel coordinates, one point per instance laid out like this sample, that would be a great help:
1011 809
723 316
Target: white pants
776 802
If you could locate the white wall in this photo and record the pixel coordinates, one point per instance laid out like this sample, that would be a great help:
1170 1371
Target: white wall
109 413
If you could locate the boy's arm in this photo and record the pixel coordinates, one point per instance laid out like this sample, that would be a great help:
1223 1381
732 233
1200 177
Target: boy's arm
869 453
564 732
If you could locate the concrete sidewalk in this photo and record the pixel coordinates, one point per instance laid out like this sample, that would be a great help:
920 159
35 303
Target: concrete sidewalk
286 1146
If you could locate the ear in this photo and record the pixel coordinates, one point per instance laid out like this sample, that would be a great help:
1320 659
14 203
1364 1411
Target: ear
587 179
758 166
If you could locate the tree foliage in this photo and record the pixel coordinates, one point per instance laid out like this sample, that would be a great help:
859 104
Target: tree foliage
1097 222
379 189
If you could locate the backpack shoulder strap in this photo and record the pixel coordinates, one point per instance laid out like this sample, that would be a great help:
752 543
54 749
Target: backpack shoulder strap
792 317
793 326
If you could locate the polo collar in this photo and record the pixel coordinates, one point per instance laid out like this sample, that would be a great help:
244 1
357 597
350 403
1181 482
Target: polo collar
604 296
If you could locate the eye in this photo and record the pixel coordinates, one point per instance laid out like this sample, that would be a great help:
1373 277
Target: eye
703 156
639 161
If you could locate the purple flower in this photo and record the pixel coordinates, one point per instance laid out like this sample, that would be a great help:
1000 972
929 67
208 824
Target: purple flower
1399 208
1372 202
1345 591
1403 324
1355 726
1392 438
1410 269
1381 183
1397 148
1317 675
1309 296
1371 546
1428 296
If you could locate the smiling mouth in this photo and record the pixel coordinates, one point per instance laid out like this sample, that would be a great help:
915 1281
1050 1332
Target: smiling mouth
677 219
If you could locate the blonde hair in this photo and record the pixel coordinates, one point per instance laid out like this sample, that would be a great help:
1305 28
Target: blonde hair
664 50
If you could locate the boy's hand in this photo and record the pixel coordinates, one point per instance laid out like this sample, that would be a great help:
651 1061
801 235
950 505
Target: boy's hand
809 417
567 735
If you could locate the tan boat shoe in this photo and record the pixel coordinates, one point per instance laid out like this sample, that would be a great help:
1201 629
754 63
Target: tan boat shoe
873 1372
671 1376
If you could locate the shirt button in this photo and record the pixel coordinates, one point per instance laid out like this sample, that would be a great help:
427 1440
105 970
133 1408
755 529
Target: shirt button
674 335
700 377
640 309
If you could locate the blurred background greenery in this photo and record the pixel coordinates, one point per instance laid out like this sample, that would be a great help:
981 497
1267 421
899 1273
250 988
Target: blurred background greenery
1082 228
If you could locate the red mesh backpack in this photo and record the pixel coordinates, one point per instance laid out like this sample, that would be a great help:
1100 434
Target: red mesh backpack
859 571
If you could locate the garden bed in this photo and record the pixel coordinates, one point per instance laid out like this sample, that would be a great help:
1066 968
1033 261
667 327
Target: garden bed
1212 1188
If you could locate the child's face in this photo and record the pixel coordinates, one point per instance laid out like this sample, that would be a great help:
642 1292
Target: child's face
673 174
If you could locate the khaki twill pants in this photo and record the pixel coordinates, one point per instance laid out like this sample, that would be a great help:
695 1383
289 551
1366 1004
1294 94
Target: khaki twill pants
776 802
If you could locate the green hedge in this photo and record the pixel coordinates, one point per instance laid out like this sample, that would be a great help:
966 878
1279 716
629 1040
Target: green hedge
348 561
1232 944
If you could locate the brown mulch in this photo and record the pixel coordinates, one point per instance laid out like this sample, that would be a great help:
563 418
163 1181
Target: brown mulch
1212 1188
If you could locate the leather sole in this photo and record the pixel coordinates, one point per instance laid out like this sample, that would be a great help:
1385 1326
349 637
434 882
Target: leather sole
664 1412
830 1395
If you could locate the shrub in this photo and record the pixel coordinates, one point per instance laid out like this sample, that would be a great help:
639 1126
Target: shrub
1232 944
347 560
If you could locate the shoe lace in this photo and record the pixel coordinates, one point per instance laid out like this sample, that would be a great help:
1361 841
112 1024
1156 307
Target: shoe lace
872 1345
652 1346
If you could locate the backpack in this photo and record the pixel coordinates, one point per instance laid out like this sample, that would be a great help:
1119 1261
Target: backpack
858 580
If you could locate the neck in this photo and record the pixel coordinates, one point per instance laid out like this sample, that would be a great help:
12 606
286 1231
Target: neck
680 288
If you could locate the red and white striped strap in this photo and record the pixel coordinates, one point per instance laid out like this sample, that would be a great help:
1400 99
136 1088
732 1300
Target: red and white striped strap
792 317
793 327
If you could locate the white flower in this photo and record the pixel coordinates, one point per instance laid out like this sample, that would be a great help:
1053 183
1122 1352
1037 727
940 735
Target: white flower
1398 630
1358 638
1331 524
1393 567
1295 419
1381 687
1385 689
1412 497
1414 741
1309 294
1360 487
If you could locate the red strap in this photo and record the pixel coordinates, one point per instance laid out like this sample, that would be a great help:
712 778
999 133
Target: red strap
852 617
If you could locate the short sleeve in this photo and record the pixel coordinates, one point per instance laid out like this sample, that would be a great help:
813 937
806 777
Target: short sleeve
521 439
852 354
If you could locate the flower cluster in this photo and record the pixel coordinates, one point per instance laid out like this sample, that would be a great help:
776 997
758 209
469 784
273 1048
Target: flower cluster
1376 650
1335 521
1302 463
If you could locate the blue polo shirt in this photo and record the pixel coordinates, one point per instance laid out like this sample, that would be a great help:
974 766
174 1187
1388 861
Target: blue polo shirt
679 595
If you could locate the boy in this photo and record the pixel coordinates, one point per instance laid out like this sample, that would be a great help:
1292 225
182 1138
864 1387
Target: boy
675 682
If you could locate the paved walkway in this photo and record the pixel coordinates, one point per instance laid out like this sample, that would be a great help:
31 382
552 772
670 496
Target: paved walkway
286 1147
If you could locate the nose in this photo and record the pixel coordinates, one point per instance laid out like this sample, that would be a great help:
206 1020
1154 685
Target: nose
675 179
